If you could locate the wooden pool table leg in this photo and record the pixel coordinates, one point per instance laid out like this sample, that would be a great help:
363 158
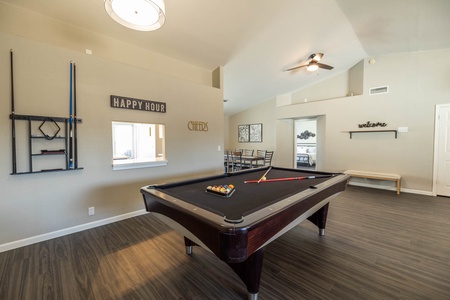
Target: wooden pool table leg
319 218
250 272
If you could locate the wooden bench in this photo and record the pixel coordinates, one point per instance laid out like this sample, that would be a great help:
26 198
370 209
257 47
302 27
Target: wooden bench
378 176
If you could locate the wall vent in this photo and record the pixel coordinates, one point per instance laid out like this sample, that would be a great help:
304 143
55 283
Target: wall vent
379 90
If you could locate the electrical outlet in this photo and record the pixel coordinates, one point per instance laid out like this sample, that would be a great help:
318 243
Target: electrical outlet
91 211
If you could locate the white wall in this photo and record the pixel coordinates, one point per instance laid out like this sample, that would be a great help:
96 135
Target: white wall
337 86
226 137
37 206
417 82
261 114
303 125
34 26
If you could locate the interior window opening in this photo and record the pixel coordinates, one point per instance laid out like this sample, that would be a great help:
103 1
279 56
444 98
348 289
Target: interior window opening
138 145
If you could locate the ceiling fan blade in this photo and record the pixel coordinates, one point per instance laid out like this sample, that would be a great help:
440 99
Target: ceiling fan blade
298 67
324 66
316 57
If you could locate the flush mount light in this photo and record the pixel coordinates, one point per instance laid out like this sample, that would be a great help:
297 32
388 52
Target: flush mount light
142 15
312 67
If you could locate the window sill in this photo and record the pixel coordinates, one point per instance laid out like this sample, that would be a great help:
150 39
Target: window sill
134 164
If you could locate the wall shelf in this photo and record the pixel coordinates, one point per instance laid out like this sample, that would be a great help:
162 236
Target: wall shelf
370 131
46 171
46 154
54 138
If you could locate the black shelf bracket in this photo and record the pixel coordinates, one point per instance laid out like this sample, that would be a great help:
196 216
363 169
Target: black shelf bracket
43 118
46 171
369 131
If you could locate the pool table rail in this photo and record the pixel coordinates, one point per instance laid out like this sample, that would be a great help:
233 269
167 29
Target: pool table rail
242 244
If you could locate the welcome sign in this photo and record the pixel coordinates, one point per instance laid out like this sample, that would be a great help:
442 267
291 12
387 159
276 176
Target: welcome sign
137 104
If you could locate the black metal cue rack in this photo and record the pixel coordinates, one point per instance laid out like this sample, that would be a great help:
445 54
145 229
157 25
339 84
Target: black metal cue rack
49 129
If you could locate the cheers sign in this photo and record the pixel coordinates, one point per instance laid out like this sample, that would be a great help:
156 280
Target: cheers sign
197 126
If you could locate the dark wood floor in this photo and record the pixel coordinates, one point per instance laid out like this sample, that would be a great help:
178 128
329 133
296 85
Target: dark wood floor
378 245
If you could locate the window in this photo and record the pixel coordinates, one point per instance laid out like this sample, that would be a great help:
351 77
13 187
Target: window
138 145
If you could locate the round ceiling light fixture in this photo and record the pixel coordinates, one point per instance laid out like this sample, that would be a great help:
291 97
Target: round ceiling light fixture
312 67
142 15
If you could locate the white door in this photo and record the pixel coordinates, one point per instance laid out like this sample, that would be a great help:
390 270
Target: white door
443 150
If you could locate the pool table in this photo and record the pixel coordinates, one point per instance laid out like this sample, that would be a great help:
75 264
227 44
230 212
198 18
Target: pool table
237 228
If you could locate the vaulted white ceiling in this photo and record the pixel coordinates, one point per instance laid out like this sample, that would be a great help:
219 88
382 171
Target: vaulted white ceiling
256 40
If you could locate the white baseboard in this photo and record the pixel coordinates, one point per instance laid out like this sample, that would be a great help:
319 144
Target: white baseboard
66 231
390 188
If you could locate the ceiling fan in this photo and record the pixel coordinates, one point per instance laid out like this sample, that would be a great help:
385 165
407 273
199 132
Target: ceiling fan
312 64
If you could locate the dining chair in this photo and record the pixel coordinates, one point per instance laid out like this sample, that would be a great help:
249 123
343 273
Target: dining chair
268 158
226 161
246 162
248 152
261 153
236 161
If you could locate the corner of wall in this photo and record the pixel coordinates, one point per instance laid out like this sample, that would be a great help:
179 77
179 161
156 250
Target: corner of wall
356 79
217 77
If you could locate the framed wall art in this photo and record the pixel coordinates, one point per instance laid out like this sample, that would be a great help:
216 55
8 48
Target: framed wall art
255 133
243 133
250 133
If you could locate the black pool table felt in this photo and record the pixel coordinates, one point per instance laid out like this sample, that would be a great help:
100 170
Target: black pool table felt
248 197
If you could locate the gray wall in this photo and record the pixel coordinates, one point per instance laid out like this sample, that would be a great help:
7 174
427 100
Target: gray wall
39 206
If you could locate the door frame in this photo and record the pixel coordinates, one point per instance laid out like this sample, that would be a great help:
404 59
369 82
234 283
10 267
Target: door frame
320 140
437 129
304 119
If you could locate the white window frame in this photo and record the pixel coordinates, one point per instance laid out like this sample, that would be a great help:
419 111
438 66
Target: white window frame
135 158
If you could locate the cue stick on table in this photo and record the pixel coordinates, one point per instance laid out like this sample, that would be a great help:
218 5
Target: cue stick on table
287 179
270 168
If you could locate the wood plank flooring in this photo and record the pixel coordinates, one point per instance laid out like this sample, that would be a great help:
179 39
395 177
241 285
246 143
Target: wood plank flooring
378 245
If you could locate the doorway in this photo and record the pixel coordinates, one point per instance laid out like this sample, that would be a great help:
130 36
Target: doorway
305 141
441 182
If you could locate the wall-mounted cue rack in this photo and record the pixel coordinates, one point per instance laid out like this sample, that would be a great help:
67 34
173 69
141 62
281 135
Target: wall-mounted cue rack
46 131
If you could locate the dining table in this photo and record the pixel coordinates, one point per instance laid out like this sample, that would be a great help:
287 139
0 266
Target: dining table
249 161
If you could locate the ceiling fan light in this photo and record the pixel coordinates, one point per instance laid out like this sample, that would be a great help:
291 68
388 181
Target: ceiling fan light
142 15
312 67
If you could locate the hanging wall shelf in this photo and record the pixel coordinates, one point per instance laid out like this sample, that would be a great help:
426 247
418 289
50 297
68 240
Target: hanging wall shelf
48 137
370 131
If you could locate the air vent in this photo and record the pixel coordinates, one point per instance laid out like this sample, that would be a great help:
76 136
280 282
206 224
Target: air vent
379 90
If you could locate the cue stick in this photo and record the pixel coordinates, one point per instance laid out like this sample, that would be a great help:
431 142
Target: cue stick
75 115
270 168
287 179
70 123
13 119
